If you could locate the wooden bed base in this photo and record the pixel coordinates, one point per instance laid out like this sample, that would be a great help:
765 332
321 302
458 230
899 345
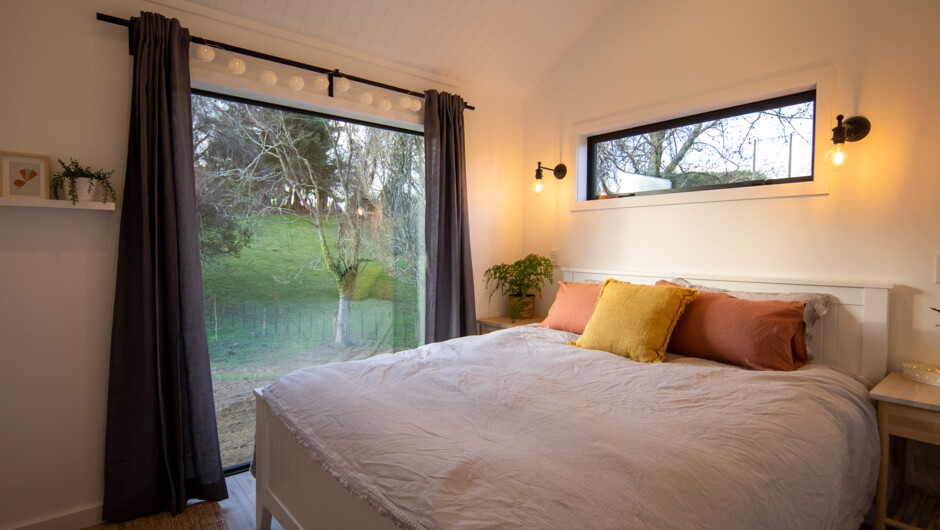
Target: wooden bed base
301 495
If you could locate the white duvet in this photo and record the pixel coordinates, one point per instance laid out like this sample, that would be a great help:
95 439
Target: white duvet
515 429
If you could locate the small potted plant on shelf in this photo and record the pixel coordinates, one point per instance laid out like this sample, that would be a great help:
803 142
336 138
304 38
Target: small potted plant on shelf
67 180
518 280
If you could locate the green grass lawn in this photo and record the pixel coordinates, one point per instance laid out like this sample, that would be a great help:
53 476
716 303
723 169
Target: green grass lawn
259 309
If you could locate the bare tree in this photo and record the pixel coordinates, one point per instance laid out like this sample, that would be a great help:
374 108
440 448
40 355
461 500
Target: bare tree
711 152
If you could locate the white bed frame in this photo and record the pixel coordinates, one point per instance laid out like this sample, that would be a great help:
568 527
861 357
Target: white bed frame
301 495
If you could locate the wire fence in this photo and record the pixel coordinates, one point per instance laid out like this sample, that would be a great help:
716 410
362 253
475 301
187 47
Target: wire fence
371 322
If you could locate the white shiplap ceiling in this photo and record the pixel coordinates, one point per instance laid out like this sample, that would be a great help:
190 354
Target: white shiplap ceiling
502 47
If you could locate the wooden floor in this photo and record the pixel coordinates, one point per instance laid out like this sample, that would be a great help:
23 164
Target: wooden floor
239 508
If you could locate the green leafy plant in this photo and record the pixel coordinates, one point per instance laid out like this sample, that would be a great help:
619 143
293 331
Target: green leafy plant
72 171
519 279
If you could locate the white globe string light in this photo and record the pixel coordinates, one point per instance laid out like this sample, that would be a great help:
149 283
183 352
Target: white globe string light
416 104
269 78
205 53
236 66
342 84
322 82
385 104
365 97
296 82
404 102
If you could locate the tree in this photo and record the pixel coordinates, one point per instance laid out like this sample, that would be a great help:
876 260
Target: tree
719 151
364 182
225 183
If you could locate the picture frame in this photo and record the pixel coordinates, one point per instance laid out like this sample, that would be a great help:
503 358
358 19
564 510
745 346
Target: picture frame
24 175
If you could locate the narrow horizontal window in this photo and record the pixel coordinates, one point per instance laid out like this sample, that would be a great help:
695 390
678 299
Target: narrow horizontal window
766 142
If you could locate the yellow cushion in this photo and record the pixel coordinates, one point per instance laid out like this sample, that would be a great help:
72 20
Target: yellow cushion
635 321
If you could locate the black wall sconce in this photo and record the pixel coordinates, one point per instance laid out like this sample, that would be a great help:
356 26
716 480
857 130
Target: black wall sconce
851 130
559 171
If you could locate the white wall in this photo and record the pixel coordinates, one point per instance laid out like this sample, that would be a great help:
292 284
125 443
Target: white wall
878 223
65 92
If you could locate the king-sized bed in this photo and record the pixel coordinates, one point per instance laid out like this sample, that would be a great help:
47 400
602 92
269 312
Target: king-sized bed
519 429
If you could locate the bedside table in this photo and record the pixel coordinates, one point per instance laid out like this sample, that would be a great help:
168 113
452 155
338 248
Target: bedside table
491 324
910 410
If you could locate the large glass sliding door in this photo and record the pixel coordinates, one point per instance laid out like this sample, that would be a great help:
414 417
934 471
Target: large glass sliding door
312 239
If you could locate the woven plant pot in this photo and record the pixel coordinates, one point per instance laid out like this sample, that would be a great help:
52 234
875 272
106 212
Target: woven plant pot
521 307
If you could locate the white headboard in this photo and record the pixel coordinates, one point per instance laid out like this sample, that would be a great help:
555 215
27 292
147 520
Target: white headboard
853 335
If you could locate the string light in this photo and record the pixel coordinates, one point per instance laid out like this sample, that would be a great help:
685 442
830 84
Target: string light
236 66
360 211
296 82
321 83
205 53
269 78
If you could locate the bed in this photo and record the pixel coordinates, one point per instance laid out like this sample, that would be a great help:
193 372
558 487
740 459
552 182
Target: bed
516 429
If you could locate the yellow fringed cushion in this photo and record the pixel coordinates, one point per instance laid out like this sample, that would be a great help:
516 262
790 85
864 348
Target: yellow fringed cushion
635 321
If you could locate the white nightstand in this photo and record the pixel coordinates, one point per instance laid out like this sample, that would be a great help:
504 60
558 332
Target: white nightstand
909 410
491 324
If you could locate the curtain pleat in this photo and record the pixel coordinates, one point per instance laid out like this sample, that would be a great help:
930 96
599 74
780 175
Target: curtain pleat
161 444
451 308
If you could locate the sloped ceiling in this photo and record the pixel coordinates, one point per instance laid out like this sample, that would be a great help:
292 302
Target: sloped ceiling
502 47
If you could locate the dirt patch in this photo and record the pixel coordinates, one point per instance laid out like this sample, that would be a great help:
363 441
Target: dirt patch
237 432
234 401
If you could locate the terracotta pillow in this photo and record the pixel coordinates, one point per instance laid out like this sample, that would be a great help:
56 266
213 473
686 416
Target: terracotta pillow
573 306
763 335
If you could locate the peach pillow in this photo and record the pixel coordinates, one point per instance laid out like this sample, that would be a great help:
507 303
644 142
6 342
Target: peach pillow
573 306
763 335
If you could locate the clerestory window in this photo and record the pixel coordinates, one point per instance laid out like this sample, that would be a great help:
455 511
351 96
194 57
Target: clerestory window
760 143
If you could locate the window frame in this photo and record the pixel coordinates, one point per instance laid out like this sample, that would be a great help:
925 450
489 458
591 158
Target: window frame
806 96
706 99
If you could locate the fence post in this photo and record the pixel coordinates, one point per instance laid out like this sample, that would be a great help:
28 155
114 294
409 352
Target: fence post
215 319
418 330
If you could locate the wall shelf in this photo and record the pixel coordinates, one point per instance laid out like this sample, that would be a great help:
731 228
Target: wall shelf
52 203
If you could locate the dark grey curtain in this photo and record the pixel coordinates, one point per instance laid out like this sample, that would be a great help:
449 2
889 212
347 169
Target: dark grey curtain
161 444
450 302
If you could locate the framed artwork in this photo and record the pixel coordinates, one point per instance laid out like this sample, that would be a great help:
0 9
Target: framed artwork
24 175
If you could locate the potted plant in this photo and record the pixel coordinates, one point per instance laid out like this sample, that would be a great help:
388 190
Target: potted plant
73 171
517 280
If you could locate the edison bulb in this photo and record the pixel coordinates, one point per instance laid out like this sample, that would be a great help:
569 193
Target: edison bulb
360 212
538 186
205 53
416 104
296 82
836 157
236 66
404 102
322 82
269 78
385 104
365 97
342 84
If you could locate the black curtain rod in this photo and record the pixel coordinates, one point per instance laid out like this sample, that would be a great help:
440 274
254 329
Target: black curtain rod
280 60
